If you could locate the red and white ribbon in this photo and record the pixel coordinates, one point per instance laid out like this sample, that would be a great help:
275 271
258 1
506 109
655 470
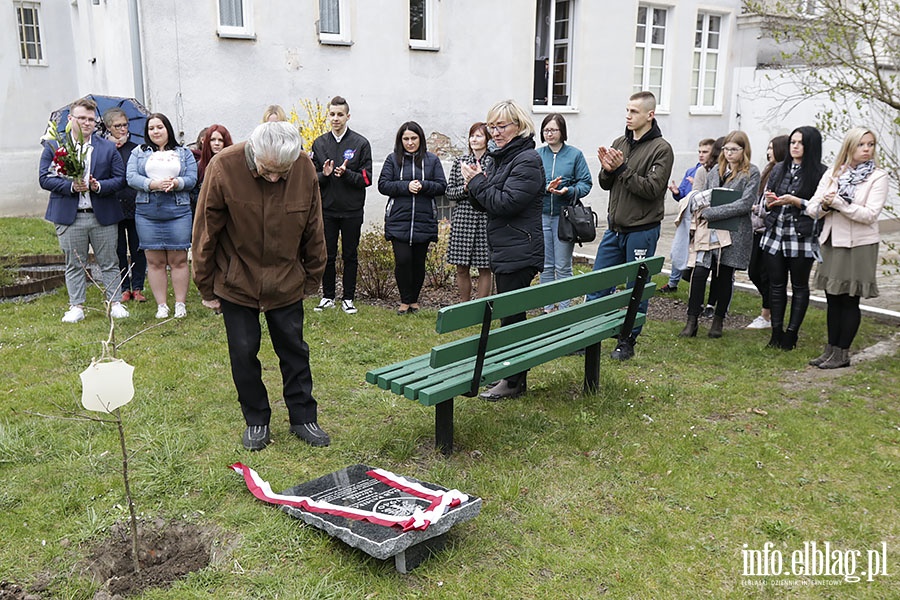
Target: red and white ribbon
441 501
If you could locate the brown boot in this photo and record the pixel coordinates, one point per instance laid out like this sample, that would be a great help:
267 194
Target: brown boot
826 354
690 328
839 359
715 330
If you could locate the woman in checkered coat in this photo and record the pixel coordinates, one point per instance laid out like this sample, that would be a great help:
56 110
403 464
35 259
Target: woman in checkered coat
468 227
789 244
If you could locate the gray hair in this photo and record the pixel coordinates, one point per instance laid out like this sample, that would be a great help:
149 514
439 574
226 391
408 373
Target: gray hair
278 143
110 115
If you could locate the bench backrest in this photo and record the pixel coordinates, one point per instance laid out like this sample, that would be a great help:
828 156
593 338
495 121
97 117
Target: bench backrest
467 314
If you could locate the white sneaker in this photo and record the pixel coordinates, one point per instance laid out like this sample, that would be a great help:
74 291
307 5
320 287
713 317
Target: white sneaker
73 315
324 303
180 310
117 311
162 311
759 323
347 306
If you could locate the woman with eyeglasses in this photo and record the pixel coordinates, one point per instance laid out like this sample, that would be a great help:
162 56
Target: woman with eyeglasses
411 178
133 270
568 179
511 194
468 246
163 172
728 249
849 199
789 244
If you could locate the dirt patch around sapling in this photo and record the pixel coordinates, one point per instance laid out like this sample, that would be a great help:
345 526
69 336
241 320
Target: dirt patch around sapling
167 552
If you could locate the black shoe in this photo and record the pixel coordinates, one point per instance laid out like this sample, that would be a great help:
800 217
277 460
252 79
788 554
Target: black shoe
504 391
256 437
311 433
624 349
789 339
715 330
668 289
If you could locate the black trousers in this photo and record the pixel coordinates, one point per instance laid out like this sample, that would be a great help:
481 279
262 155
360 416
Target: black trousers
132 279
409 269
349 230
722 287
507 282
757 270
780 267
843 317
286 331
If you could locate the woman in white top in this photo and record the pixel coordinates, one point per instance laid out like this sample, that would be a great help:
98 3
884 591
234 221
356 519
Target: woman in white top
850 198
164 172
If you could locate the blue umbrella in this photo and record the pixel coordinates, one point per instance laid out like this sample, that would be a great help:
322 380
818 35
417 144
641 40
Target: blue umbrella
134 110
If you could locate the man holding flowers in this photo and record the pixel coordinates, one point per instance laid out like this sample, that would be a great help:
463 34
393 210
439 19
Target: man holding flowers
83 172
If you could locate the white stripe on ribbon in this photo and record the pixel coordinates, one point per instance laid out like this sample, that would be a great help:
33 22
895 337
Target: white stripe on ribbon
441 501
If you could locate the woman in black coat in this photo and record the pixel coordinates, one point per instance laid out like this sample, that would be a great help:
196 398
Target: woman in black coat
411 178
512 196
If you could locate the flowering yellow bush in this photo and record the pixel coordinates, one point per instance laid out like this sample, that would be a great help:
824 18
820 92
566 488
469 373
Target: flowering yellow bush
314 124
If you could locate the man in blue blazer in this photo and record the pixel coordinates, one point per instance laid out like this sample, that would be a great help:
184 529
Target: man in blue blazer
86 212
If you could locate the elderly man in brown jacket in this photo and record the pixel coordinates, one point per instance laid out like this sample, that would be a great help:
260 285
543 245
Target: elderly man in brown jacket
259 247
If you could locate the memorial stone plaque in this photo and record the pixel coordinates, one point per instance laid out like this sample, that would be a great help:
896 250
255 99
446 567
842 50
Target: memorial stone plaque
353 488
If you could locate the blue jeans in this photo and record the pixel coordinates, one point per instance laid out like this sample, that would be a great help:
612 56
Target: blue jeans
674 277
557 255
620 248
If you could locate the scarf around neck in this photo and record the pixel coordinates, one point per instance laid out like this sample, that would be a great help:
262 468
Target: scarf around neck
852 177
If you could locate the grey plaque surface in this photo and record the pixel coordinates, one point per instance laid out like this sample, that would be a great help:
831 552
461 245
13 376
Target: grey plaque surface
352 487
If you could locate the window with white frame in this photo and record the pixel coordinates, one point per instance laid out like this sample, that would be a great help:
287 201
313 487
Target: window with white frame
334 22
650 55
706 85
554 28
423 25
236 19
28 24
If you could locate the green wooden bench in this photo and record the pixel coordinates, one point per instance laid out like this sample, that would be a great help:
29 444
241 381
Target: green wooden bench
462 367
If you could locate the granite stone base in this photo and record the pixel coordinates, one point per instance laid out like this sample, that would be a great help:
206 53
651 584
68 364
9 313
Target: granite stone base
351 487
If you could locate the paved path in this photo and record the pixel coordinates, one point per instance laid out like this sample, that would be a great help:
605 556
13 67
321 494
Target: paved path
886 305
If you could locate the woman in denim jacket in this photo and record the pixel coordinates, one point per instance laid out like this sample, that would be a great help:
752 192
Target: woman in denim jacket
163 173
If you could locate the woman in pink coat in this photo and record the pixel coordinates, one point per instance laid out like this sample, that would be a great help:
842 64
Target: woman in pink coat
850 198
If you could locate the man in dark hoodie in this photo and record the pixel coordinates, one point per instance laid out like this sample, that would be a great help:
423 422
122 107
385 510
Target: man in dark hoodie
343 160
635 171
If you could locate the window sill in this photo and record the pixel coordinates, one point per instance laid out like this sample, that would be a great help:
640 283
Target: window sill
705 111
33 64
335 42
236 35
544 109
423 45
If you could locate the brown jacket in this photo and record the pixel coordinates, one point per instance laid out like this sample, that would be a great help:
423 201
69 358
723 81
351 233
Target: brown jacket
257 243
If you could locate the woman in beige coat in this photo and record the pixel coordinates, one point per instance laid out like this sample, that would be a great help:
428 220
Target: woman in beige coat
850 198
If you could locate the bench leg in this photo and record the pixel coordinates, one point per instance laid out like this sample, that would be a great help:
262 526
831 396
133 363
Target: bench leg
592 368
443 427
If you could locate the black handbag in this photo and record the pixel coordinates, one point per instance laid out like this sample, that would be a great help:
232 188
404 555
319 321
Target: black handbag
577 224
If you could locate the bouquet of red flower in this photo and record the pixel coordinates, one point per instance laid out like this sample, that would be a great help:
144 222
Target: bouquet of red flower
69 159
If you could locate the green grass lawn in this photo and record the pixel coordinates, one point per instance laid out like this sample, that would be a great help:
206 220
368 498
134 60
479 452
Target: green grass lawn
692 452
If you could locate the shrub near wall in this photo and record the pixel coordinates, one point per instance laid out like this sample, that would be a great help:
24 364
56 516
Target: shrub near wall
375 278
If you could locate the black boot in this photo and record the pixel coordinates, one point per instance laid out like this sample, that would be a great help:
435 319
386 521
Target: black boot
826 354
715 330
839 359
789 339
690 328
777 334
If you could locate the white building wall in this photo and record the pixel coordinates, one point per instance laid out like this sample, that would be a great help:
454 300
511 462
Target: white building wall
486 54
84 54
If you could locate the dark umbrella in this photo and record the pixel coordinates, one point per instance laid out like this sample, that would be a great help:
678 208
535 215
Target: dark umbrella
134 110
